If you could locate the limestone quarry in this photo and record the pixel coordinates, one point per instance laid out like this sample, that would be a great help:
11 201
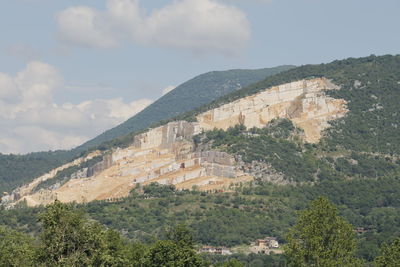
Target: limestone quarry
167 154
304 102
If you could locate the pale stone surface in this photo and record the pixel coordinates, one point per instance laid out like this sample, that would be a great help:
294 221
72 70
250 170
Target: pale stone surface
304 102
144 168
166 154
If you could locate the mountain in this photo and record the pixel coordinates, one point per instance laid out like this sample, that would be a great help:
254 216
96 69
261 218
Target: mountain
16 170
190 95
261 152
168 155
252 160
315 117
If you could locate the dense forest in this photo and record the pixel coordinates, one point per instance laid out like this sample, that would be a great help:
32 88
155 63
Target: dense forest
222 219
67 237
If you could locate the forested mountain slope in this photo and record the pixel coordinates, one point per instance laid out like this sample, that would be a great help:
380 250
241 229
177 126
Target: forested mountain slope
16 170
356 164
370 85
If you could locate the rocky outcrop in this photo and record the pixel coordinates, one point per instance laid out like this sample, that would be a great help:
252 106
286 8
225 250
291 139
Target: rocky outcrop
167 154
167 135
106 163
304 102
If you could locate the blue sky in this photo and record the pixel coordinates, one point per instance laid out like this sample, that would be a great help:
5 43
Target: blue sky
72 69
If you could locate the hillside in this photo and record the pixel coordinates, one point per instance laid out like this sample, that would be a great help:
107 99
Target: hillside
328 129
168 155
190 95
330 106
16 170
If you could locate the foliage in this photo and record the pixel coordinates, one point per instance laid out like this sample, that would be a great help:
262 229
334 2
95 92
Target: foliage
16 170
157 190
169 253
222 219
270 144
68 239
16 249
280 145
232 263
248 260
181 235
356 166
321 238
390 255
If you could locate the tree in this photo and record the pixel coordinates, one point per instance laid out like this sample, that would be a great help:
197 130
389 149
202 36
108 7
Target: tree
177 251
16 249
181 235
171 254
69 239
232 263
390 255
321 238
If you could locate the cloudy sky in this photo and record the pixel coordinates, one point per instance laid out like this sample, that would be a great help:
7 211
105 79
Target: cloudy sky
70 70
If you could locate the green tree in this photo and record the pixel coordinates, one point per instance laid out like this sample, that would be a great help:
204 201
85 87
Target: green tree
16 249
177 251
390 255
69 239
321 238
181 235
232 263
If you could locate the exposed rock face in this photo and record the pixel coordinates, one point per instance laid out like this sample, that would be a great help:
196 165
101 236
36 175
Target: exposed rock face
304 102
165 136
106 163
166 154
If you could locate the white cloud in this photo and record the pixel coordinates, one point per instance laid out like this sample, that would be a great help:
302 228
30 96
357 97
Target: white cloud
195 25
85 26
31 121
168 89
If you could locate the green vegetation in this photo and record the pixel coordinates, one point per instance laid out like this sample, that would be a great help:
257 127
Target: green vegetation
371 87
356 166
15 248
16 170
321 238
222 219
390 255
270 144
280 145
67 237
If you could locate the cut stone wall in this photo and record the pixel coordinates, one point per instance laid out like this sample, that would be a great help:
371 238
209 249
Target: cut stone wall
304 102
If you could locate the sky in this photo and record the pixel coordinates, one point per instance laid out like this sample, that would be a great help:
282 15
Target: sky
69 70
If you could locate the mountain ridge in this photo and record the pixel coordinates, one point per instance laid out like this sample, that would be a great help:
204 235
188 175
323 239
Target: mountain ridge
18 169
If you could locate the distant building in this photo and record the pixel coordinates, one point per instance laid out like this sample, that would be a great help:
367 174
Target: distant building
360 230
216 250
268 242
265 245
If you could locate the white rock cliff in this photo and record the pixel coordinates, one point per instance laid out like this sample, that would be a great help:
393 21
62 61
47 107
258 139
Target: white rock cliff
166 154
